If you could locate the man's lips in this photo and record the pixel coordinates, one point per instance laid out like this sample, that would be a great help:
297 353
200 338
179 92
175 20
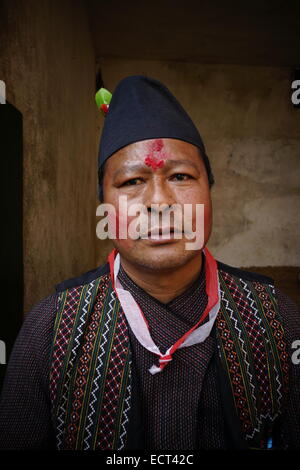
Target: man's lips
164 233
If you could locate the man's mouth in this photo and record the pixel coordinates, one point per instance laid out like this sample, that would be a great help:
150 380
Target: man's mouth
162 233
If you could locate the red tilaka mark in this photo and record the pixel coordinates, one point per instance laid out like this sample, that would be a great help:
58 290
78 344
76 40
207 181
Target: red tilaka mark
156 155
154 164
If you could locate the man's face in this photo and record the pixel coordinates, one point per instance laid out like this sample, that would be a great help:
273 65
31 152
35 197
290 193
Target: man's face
158 171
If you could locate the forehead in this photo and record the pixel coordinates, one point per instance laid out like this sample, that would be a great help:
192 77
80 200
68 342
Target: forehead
172 149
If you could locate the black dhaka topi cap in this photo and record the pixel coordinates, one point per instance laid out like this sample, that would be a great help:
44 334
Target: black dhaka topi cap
143 108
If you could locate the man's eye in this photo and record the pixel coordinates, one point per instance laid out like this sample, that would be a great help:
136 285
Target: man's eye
132 182
181 177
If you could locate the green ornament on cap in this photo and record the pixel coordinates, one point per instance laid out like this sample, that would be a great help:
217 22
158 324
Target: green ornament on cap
103 98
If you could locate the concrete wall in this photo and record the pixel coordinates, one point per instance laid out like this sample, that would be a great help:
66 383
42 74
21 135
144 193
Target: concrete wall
252 136
47 61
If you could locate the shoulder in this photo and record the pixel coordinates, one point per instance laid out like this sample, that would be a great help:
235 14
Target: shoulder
290 316
288 310
287 307
38 323
42 314
85 278
243 274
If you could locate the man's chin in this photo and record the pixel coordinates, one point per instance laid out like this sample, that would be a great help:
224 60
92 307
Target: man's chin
160 258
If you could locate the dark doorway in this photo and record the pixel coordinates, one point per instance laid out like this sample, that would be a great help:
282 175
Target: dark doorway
11 277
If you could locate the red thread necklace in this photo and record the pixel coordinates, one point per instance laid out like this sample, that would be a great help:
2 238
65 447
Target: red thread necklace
139 325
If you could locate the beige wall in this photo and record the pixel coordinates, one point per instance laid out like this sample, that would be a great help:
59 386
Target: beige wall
252 136
47 61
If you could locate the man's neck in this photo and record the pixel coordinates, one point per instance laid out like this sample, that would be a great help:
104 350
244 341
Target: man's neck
164 285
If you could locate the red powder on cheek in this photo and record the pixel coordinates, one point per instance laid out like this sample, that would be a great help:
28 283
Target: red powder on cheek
122 224
156 156
117 222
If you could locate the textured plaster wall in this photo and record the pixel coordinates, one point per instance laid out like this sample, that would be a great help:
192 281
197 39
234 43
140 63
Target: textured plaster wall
252 136
47 61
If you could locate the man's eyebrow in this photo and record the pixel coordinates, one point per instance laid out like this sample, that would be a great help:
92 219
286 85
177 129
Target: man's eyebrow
181 162
130 167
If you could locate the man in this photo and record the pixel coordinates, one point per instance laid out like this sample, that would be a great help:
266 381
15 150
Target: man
162 347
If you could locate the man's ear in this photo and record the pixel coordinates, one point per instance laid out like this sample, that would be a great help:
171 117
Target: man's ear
210 176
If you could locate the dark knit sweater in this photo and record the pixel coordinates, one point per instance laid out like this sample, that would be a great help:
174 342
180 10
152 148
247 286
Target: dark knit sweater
181 407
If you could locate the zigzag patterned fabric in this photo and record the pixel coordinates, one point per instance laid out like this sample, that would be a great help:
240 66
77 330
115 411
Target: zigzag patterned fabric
90 374
90 378
254 354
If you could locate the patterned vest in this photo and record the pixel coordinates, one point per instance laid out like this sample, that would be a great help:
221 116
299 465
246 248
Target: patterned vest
91 363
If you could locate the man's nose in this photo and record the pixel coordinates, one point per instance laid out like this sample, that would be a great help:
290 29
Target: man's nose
158 192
